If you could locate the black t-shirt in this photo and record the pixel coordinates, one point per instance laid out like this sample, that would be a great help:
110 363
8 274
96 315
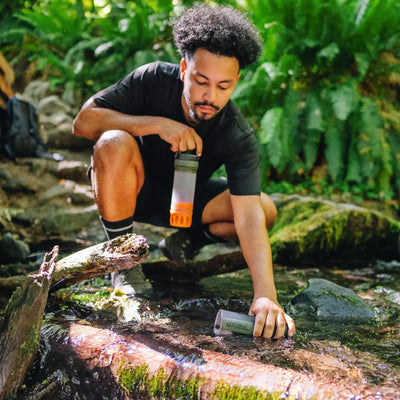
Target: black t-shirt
156 89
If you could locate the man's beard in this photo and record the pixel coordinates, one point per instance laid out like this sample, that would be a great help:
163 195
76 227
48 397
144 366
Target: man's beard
192 113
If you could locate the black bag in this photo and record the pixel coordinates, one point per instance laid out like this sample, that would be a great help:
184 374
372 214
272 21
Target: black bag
21 138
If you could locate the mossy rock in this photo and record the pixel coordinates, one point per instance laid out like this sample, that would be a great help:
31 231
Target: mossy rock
308 230
327 300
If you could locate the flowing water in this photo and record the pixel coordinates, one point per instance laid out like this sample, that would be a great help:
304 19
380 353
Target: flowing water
368 352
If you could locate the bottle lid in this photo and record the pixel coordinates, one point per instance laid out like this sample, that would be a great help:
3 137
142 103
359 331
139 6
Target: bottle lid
187 161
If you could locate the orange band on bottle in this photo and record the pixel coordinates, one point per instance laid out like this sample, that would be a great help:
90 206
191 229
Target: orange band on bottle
181 215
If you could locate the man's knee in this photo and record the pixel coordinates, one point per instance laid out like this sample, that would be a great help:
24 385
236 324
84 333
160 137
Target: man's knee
115 147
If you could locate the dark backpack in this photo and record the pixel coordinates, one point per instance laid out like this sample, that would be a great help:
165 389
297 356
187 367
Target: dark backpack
21 137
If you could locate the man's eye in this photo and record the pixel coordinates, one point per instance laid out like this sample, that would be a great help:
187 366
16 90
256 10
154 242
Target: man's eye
201 83
223 87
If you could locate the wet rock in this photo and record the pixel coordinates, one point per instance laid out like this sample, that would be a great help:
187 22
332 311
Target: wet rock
325 299
308 230
394 297
66 222
73 170
12 250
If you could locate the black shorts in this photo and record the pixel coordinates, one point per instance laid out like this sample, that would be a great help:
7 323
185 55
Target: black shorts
154 200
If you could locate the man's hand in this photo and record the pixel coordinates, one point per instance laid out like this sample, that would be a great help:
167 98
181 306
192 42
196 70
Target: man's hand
268 314
180 136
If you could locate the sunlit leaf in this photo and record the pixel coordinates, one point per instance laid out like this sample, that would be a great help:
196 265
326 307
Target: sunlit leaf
342 99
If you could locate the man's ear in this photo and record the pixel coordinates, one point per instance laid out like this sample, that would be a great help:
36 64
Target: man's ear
183 67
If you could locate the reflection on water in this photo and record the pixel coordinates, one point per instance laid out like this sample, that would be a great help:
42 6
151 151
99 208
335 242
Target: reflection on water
372 349
367 353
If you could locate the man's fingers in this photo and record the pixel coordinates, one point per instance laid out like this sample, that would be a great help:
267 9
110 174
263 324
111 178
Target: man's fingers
198 144
269 325
188 141
280 327
290 324
259 324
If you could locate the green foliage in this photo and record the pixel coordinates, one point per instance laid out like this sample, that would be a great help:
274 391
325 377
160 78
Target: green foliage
83 46
318 94
323 97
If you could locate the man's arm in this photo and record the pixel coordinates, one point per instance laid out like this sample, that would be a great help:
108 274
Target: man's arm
92 121
249 219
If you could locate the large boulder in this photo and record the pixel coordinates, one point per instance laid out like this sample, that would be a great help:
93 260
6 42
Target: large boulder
309 230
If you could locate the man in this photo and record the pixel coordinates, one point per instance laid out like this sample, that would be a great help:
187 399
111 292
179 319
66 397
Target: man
159 109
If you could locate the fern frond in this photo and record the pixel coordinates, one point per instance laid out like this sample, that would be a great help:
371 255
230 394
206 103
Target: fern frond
386 170
343 99
311 147
353 162
371 127
314 116
270 134
334 152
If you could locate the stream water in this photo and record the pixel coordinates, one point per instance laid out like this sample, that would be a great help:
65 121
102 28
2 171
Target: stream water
368 352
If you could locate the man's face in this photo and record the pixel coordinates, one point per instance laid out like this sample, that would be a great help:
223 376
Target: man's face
208 82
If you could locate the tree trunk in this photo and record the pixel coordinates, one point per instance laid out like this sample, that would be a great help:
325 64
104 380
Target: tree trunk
192 271
20 331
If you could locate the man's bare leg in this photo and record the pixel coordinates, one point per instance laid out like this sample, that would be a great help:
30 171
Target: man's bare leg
217 226
117 177
218 215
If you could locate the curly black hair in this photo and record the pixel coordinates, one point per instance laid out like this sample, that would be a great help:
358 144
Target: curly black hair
221 30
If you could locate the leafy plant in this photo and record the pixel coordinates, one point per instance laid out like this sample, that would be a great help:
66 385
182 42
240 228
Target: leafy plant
323 98
81 45
318 91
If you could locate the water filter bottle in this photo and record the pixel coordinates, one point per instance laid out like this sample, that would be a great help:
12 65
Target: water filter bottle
229 322
183 190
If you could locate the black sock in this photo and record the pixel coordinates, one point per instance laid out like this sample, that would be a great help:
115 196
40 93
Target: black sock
117 228
201 236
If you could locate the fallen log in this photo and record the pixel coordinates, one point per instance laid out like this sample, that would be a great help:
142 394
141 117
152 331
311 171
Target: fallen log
148 368
193 270
20 330
123 252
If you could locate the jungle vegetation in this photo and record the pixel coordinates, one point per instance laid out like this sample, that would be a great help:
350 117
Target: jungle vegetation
323 98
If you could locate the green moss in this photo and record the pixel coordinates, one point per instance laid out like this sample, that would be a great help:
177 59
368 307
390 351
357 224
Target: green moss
83 294
343 297
137 380
224 391
317 228
31 343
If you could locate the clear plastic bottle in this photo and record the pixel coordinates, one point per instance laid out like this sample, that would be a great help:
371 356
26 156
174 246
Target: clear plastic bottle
181 210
